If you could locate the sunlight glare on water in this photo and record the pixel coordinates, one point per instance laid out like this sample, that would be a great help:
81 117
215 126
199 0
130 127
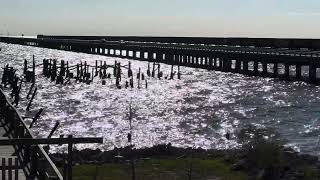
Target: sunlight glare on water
195 111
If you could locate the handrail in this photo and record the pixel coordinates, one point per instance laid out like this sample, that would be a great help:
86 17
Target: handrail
28 131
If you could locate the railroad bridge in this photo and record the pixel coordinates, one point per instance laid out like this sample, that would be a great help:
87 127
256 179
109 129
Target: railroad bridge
266 57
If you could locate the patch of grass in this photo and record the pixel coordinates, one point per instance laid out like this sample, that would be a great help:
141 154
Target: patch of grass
161 169
310 173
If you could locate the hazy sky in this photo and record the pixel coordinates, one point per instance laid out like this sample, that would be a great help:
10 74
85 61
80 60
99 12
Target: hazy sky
232 18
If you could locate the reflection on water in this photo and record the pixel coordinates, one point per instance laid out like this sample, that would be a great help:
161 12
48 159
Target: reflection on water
194 111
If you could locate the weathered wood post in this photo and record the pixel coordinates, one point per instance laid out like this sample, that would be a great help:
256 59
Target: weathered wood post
44 67
81 71
49 68
171 73
104 70
70 155
179 74
96 74
159 74
78 72
129 70
85 69
25 67
16 95
92 75
62 68
34 162
153 69
148 70
115 69
68 72
33 69
131 82
54 70
138 75
33 95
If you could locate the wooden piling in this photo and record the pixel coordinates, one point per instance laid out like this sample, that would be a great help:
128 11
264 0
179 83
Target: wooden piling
33 95
153 69
33 69
96 68
179 75
25 67
138 74
148 70
129 70
171 73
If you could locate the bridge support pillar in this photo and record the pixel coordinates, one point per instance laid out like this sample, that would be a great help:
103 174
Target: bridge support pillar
255 68
287 71
184 61
238 66
135 55
226 65
175 59
150 56
245 67
210 66
142 55
197 61
169 58
220 64
275 70
312 73
192 61
188 59
127 54
161 57
298 71
265 69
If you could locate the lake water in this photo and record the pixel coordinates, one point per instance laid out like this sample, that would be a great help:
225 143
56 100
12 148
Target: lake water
196 111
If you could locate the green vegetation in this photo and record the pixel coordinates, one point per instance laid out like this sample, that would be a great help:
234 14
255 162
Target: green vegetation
161 169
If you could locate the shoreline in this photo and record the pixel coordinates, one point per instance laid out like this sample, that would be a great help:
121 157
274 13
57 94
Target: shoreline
265 159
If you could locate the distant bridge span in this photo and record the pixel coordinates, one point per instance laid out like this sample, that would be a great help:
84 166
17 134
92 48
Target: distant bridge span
250 56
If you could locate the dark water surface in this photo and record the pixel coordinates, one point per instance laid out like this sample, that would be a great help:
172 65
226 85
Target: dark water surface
194 111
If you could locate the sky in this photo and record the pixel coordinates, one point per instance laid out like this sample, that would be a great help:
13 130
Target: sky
205 18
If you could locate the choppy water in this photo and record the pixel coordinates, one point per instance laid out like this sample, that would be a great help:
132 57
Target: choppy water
194 111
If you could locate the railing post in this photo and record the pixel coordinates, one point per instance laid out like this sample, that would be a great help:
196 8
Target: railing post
70 154
42 168
3 174
16 169
34 163
10 168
